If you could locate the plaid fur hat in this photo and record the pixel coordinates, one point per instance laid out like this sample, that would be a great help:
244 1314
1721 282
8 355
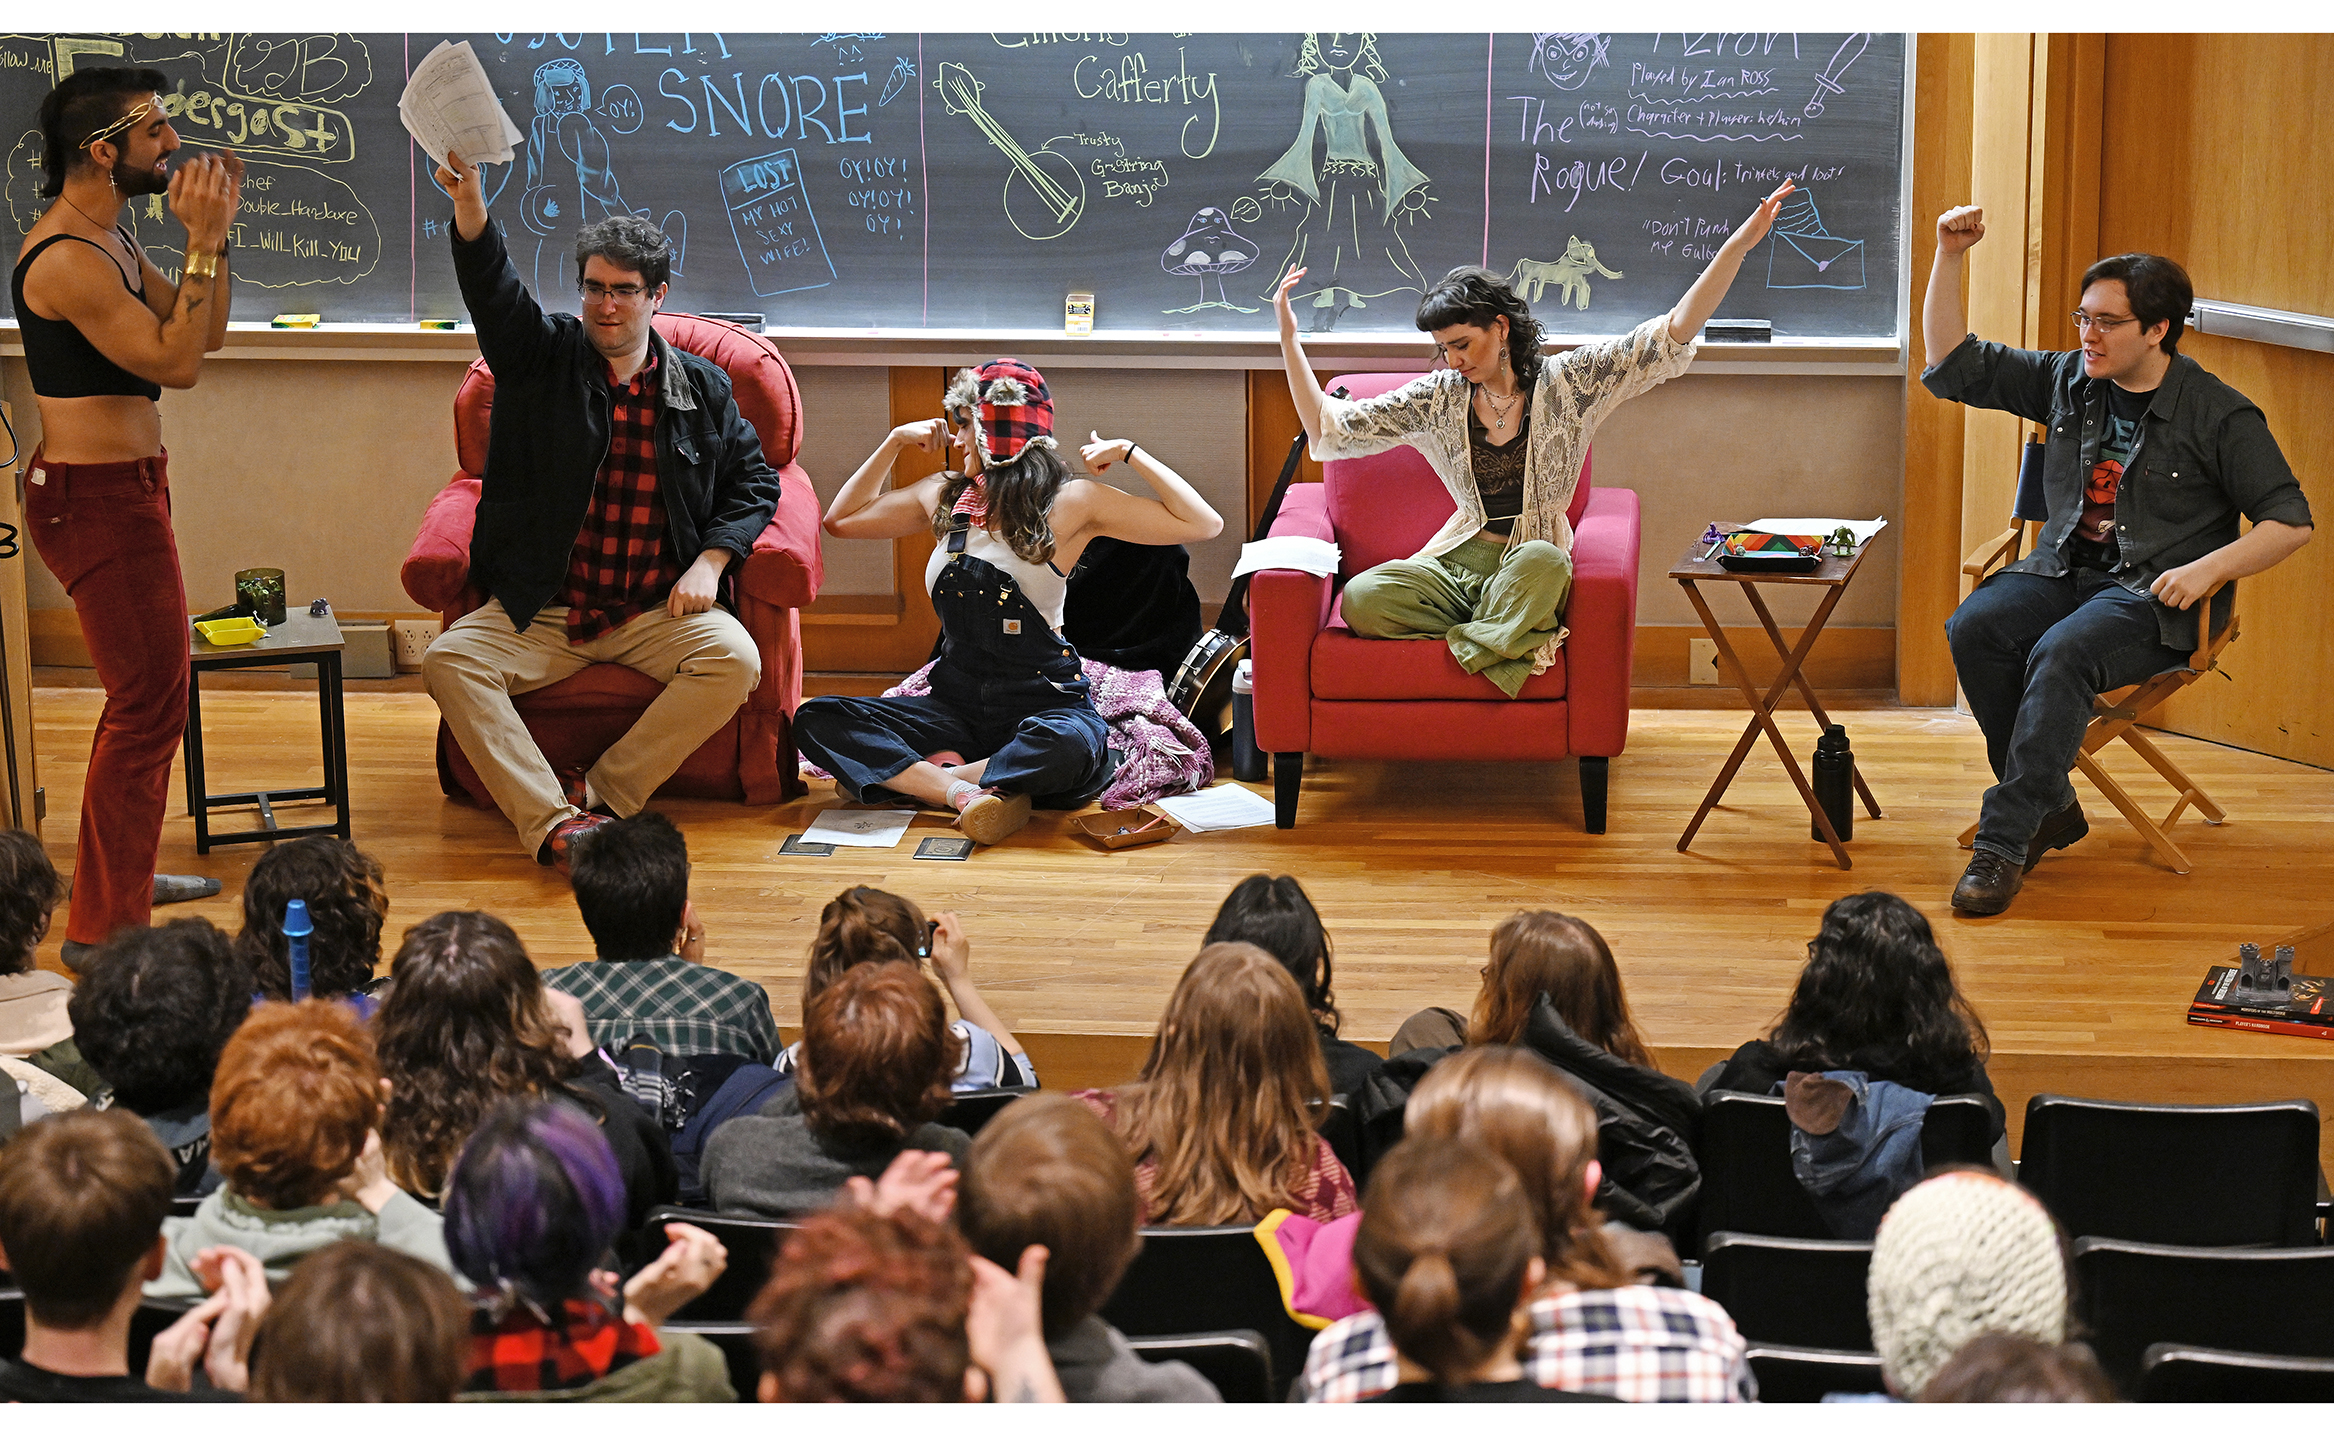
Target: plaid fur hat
1008 406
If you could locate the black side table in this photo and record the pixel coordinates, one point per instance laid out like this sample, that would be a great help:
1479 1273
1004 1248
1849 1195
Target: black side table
301 637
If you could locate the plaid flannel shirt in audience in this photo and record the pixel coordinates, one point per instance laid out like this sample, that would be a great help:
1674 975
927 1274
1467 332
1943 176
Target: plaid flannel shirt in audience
685 1008
1637 1343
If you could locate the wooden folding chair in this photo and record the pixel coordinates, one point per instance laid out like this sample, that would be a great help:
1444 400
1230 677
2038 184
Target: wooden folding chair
2116 714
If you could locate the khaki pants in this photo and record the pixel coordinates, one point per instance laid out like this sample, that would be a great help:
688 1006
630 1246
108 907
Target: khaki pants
706 661
1493 603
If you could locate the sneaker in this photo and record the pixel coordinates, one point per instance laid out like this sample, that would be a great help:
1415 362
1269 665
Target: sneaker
990 817
558 850
171 887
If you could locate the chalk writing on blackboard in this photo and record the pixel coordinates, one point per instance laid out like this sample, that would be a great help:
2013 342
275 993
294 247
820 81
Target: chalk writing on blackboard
1044 193
1531 277
777 235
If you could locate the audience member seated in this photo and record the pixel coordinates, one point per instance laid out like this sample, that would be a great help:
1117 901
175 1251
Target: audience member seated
632 887
1962 1254
866 924
1448 1253
359 1322
533 1203
1999 1367
1552 986
33 1015
467 1021
1220 1122
871 1074
295 1131
868 1305
1275 914
82 1198
346 904
1876 997
1592 1328
152 1010
1046 1172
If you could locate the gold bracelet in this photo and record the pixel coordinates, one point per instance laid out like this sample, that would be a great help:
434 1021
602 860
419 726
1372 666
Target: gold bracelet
200 265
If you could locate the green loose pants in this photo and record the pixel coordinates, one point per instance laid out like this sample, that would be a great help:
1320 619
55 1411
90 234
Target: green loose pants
1494 603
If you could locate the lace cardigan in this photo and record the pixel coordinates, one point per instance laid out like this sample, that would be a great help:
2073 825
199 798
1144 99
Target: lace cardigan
1575 392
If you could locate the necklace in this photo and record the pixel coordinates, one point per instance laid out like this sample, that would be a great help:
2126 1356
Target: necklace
1499 411
68 199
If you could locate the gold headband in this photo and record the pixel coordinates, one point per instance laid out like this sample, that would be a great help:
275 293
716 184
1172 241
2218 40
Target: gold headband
120 125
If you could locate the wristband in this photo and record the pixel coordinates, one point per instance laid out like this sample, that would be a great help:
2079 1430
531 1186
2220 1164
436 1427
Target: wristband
200 265
1130 454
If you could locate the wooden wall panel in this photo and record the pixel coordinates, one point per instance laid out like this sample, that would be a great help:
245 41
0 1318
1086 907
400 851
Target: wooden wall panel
1272 423
2000 163
881 633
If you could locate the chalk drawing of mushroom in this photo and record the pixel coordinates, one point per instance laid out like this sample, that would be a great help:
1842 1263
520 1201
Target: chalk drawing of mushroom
1209 250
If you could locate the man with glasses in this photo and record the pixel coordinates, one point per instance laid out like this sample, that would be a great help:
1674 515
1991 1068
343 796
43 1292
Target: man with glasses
621 483
2148 462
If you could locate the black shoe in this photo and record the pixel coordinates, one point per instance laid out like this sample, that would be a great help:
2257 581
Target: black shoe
2062 829
1988 885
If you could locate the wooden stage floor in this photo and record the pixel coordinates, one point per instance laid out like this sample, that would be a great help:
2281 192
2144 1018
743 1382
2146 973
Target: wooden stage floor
2083 984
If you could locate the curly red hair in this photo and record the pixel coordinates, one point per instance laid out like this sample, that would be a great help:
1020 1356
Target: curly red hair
867 1308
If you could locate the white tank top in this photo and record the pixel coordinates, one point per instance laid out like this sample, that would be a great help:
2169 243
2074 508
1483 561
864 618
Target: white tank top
1041 583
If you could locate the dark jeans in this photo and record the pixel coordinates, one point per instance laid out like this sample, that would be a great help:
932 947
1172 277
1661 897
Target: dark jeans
1059 756
2032 653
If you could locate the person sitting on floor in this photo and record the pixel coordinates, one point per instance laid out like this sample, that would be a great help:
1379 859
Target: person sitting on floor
154 1007
865 924
1962 1254
1046 1172
360 1322
82 1198
1593 1328
871 1076
1275 914
1877 996
1220 1123
295 1130
533 1203
632 887
468 1021
342 886
1448 1253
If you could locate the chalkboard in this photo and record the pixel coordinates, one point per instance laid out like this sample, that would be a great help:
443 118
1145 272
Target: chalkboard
902 181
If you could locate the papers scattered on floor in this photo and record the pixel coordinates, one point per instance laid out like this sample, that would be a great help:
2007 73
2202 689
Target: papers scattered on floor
1226 805
1308 555
449 104
1863 529
860 827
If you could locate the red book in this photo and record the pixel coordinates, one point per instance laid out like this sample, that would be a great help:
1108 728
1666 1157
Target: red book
2308 1010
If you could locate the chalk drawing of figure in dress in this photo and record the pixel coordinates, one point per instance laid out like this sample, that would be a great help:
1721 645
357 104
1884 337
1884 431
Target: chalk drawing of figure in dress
1360 202
569 179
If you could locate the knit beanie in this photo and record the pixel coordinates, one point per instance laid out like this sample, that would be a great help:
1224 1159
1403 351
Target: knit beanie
1956 1257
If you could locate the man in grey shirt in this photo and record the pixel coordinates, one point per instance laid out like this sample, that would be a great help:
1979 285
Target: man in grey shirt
2147 463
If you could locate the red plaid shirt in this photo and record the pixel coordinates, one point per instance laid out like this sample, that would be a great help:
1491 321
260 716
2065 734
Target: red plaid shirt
516 1352
621 565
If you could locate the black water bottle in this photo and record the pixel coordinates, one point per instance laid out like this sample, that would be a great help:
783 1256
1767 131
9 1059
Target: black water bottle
1835 783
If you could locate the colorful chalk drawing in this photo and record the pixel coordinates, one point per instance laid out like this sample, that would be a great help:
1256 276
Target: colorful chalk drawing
1044 193
1531 277
1207 250
903 74
1805 255
1353 236
777 236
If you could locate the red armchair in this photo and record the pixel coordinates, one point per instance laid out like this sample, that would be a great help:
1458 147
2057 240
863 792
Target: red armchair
1321 688
577 719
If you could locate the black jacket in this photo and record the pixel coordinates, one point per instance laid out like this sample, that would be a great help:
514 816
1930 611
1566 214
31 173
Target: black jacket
1757 1066
550 434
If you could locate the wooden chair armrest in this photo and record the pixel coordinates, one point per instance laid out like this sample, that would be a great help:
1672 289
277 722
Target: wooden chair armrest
1999 549
2206 650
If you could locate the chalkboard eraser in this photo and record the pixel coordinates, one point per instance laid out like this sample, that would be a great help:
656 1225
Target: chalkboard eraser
296 321
750 321
1739 331
439 323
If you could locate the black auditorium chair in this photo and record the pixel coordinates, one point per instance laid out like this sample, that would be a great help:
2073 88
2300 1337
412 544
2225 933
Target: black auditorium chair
184 1206
2172 1372
1188 1279
1237 1363
1791 1290
2242 1175
1810 1373
971 1111
2132 1295
752 1244
1342 1132
1747 1184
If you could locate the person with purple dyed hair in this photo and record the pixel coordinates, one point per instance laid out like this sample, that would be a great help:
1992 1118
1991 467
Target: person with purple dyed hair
531 1207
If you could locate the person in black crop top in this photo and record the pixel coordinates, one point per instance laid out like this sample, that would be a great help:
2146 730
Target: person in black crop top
105 332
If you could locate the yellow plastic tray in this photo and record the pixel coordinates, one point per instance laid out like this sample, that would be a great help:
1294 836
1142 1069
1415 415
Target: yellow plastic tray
231 632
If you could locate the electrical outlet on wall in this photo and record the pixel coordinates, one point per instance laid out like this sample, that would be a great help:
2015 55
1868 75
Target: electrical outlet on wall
1701 661
413 636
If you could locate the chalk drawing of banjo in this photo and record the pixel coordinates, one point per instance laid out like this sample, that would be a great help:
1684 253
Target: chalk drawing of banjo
1044 193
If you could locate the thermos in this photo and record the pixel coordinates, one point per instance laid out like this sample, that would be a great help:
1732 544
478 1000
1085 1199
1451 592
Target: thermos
297 928
1835 783
1247 758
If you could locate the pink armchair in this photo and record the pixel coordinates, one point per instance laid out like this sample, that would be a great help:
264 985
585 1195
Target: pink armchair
1321 688
577 719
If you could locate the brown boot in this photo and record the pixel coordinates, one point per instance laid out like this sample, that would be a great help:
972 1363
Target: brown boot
1988 885
2062 829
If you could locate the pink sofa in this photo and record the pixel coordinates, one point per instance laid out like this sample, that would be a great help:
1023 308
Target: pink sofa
1322 689
577 719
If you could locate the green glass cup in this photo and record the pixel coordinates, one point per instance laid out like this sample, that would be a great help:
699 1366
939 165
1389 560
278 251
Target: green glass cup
261 592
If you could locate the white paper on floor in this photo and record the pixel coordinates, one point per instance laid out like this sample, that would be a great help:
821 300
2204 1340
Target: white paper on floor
1226 805
860 827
